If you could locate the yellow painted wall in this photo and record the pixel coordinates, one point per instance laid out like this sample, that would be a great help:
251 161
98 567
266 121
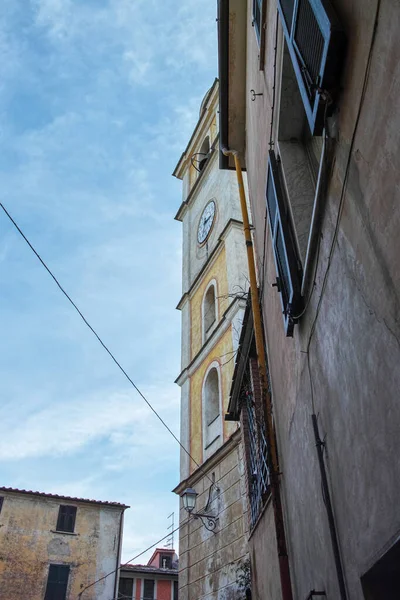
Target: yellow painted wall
217 271
222 353
29 544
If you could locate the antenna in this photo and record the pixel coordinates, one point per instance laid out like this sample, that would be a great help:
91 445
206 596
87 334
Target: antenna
170 540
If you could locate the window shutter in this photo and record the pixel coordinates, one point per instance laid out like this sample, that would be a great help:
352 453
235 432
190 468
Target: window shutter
316 43
288 276
57 582
66 518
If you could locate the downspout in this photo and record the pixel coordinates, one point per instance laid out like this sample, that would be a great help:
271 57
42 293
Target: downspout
284 569
329 510
117 566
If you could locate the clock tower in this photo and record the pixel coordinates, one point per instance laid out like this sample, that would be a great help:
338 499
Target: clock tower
215 283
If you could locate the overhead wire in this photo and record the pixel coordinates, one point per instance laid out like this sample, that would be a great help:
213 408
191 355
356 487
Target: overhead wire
130 560
102 343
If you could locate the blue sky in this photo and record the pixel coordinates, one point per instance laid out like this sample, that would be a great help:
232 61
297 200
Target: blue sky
98 99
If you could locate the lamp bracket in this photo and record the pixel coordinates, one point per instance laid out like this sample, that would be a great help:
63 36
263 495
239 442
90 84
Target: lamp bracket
209 521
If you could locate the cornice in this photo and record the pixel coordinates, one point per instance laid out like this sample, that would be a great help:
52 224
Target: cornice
210 463
222 327
208 264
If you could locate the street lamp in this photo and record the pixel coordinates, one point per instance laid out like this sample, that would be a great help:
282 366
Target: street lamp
189 497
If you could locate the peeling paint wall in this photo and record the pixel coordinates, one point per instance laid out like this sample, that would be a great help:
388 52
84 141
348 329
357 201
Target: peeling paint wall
29 543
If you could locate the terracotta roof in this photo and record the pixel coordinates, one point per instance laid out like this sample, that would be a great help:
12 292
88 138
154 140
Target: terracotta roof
58 497
149 569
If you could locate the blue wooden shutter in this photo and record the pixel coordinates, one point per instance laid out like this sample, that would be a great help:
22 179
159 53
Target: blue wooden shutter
287 269
316 44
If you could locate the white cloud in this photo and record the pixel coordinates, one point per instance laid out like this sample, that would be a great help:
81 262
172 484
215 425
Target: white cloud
64 428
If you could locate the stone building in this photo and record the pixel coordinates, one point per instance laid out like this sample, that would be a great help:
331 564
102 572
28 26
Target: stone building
52 547
309 96
158 580
214 276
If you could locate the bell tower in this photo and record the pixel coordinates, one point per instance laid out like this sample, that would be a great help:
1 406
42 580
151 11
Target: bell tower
214 281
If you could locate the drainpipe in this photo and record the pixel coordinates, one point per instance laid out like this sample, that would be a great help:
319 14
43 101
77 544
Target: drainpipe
329 510
284 569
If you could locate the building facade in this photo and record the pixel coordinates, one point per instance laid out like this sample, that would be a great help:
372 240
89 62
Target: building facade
309 98
158 580
53 547
214 279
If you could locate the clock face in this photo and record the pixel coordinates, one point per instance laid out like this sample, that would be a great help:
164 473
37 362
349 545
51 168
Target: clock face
206 221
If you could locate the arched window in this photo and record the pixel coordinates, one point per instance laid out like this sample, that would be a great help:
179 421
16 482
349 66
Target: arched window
212 431
211 397
209 311
203 153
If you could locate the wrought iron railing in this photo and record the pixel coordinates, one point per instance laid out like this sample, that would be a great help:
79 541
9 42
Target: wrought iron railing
258 477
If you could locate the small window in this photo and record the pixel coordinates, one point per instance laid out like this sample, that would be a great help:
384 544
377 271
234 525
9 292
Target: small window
166 561
66 518
209 311
148 589
57 582
125 589
1 502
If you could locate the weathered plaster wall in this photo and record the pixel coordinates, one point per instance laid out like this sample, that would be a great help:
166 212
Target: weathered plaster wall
28 544
355 351
207 560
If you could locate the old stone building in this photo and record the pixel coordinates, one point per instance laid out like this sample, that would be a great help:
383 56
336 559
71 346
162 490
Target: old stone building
309 98
214 277
52 547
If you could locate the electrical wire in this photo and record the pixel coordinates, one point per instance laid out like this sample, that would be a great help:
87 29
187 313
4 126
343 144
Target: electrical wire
102 343
130 560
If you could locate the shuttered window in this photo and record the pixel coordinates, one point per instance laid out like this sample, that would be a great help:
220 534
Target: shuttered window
57 582
125 588
286 263
316 43
66 518
148 589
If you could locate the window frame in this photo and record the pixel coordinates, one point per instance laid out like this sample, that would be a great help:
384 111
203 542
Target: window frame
122 594
208 443
206 334
153 581
259 29
288 281
66 515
